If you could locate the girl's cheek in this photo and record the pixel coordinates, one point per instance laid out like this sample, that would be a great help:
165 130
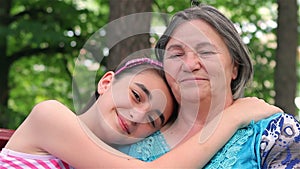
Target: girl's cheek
120 96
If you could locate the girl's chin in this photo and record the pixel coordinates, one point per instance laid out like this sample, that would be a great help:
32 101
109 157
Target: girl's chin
125 141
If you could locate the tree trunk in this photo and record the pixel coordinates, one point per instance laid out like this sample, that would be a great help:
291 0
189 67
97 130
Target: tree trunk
286 56
5 6
128 34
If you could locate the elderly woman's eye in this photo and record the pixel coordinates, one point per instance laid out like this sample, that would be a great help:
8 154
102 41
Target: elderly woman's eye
175 55
206 53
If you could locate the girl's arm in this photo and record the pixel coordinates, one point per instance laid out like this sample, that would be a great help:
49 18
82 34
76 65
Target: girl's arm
52 128
195 153
57 130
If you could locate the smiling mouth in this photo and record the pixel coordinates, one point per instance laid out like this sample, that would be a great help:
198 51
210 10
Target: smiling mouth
192 79
123 124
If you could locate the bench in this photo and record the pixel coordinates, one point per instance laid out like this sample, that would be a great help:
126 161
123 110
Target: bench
5 134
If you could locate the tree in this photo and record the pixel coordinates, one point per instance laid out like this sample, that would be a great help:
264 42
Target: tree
51 35
4 62
286 55
125 37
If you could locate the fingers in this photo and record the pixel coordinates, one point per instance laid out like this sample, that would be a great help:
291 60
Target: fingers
277 109
272 108
254 109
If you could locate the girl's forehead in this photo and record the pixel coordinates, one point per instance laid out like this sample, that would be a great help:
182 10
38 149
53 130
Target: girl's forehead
149 78
145 76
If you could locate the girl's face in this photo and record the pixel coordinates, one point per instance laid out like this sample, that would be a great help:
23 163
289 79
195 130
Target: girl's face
132 107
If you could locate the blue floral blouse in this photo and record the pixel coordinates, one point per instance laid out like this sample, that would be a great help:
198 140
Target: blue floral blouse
270 143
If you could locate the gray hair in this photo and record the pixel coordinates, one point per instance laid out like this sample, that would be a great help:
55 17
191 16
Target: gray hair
238 50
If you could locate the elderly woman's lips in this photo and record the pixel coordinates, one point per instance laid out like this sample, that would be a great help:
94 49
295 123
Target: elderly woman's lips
192 79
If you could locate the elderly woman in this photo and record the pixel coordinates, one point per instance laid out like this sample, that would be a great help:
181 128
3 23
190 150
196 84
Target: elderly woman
205 60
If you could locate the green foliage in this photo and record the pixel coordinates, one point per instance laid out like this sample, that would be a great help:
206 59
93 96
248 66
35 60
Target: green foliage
36 79
169 6
44 39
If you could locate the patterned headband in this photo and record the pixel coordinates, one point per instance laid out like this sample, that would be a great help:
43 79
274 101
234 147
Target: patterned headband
139 61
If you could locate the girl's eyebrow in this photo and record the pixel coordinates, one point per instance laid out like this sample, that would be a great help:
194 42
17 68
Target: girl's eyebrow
144 89
161 116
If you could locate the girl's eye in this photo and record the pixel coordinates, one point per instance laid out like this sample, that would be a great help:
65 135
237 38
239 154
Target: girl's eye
136 96
151 121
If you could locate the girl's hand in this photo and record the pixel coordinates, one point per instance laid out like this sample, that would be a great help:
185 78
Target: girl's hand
244 110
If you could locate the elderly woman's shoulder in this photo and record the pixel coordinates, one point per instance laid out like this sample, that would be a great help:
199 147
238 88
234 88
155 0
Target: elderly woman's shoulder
280 142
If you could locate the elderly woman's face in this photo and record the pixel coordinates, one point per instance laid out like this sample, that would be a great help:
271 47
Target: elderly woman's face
197 63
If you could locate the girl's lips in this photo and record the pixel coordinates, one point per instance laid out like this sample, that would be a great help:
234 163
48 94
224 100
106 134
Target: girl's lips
123 124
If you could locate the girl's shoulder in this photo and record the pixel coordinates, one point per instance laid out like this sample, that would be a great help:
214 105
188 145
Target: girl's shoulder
49 105
41 126
50 110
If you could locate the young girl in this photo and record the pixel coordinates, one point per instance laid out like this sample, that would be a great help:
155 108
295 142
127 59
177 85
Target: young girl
134 102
